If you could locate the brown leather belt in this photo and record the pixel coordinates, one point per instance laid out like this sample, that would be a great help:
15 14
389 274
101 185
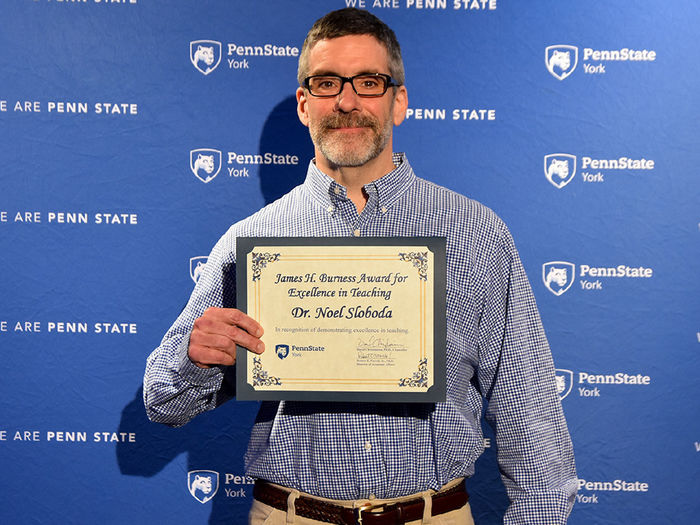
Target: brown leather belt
390 513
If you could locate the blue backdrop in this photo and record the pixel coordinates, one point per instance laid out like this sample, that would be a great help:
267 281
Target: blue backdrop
577 122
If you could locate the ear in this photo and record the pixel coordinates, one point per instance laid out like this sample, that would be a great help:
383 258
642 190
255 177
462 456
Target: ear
302 108
400 105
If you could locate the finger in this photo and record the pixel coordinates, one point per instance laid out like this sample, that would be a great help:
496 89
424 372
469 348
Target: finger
245 322
220 342
220 335
204 356
244 339
234 317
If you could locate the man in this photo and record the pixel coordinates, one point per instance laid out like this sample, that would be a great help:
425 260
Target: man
380 463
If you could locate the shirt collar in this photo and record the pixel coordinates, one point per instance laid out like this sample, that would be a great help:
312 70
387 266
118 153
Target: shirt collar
388 188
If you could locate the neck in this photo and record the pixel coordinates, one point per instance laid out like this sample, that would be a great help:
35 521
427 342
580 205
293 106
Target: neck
354 178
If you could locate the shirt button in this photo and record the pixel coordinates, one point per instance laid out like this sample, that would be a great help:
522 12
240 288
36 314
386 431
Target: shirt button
357 233
368 446
384 210
330 209
372 496
337 190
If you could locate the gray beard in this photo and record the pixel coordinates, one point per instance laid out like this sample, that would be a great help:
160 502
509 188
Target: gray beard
356 151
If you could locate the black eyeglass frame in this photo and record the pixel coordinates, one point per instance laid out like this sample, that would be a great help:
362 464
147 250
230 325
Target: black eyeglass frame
390 82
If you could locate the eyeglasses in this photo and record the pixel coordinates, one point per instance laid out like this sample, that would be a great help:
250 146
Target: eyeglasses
365 85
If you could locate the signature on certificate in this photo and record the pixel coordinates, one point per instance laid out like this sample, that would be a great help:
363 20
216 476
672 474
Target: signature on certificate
379 343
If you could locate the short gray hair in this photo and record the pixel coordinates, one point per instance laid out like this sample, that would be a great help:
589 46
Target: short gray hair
352 21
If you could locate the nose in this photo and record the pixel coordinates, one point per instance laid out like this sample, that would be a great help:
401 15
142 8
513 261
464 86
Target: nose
347 99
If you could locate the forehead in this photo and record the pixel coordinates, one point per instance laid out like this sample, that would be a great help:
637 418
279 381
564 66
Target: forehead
349 55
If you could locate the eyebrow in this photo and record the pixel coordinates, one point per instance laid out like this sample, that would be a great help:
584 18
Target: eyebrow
333 73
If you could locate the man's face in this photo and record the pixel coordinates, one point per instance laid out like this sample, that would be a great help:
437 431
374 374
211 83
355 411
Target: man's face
348 130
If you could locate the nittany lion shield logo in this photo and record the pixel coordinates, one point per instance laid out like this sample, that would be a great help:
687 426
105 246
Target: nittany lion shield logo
203 484
565 380
559 168
558 276
282 351
197 267
561 60
205 55
205 163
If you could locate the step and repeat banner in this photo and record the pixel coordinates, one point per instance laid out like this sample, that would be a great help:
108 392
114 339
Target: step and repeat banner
134 132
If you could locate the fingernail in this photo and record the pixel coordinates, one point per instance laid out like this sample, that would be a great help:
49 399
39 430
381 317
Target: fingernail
259 333
261 347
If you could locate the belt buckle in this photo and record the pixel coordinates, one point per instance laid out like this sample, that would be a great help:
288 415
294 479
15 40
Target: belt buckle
362 508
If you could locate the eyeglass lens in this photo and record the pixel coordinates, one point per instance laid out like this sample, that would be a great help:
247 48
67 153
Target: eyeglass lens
333 85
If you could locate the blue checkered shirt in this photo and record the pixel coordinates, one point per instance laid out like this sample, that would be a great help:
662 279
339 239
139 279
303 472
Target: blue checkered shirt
496 350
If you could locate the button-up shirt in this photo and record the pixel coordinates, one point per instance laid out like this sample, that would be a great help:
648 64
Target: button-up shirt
496 351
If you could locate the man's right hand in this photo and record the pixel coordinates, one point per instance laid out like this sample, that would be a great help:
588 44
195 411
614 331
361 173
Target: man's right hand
215 335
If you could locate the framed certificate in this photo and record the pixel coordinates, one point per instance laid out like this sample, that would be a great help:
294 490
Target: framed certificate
345 319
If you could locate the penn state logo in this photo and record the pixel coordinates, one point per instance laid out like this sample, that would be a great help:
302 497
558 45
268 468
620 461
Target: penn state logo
565 381
559 168
205 163
282 351
203 484
561 60
205 55
558 276
197 267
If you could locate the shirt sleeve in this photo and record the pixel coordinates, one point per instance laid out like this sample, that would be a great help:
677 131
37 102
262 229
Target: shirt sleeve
175 390
516 375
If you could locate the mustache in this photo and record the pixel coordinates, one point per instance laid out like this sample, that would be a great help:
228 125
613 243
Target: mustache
340 120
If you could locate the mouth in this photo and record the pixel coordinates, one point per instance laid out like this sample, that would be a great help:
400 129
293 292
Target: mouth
348 128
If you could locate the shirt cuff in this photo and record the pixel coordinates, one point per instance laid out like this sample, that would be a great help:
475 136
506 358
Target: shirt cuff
192 373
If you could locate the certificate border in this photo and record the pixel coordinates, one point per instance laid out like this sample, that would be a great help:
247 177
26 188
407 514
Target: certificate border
436 393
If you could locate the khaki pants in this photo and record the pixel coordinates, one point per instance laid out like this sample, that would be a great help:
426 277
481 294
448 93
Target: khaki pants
261 514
